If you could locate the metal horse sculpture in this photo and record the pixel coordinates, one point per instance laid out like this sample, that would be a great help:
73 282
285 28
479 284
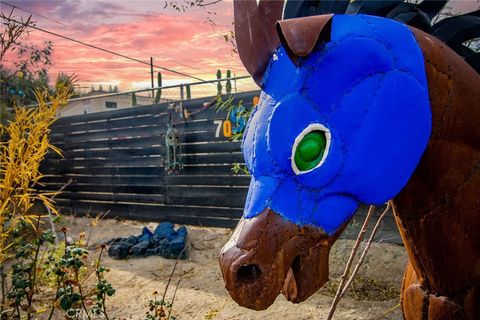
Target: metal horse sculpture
359 109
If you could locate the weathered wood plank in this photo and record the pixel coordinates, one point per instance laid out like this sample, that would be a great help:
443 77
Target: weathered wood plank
206 192
119 159
117 152
133 142
150 142
113 197
173 180
142 189
106 124
153 215
130 171
219 180
56 168
105 162
233 201
133 209
206 135
107 180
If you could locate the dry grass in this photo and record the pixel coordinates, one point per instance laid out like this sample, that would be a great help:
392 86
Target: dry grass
363 288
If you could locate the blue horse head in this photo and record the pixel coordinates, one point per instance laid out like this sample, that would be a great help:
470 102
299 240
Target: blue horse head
347 124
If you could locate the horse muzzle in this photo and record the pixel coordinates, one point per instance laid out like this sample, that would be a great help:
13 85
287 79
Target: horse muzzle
268 255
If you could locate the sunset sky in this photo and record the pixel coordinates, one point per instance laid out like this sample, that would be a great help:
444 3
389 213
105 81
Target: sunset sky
186 42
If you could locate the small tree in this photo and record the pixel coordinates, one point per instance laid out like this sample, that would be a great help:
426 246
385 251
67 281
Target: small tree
17 85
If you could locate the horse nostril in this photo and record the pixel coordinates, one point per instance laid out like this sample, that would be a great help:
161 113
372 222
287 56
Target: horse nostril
248 273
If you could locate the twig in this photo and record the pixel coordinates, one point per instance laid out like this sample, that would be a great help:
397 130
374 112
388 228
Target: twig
104 297
349 262
365 250
50 215
80 291
387 312
174 295
33 273
59 280
99 218
171 275
3 279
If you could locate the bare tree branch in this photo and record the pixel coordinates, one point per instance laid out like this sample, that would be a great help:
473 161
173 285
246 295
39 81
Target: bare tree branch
12 32
208 4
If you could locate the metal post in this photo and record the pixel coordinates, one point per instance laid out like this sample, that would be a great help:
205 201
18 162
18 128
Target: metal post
151 75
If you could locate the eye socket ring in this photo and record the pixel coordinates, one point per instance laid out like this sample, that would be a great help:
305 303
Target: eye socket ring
310 148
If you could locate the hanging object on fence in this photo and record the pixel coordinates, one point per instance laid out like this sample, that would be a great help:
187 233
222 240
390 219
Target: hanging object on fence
179 108
237 117
227 128
173 158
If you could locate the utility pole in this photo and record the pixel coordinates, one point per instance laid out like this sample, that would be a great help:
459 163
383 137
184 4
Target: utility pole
151 76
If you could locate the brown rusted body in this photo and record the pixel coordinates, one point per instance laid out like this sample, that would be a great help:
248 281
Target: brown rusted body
438 212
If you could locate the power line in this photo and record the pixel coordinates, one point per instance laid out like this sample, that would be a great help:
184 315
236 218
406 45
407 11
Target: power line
108 51
66 25
34 13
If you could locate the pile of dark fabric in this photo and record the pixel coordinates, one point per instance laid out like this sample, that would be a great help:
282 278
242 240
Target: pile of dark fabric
164 241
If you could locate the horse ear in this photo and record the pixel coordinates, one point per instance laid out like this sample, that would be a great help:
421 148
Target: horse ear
300 36
255 33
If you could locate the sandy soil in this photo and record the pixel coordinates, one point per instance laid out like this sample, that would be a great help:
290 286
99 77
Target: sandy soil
202 295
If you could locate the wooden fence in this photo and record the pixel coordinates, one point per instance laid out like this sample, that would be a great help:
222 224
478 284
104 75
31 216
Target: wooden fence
114 162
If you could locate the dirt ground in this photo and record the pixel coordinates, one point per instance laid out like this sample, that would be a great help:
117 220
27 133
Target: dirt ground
202 295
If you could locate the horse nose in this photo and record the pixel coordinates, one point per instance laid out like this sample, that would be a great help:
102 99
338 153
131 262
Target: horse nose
248 273
268 255
256 259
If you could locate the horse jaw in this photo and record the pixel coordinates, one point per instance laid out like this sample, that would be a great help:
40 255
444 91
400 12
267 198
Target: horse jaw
268 255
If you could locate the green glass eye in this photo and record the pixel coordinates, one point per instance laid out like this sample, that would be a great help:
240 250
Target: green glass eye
310 150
